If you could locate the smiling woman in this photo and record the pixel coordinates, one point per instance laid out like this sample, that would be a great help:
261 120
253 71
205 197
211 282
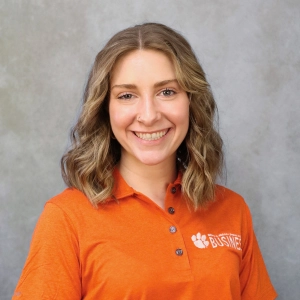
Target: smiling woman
142 217
149 115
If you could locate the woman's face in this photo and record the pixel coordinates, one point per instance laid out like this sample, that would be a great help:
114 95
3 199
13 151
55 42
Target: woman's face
149 112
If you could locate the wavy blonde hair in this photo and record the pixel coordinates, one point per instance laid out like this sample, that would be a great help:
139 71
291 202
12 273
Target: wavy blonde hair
88 164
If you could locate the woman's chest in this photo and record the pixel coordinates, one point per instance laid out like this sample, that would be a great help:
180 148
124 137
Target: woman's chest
153 255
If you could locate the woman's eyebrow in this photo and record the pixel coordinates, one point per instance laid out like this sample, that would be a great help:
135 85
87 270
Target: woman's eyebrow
125 85
133 86
165 82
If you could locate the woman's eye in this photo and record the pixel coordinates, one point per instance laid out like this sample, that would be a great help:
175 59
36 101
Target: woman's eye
126 96
168 92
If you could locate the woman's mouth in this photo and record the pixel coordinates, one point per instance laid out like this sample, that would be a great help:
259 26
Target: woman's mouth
151 136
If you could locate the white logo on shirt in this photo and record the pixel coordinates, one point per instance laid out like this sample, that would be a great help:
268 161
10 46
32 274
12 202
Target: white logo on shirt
229 240
200 240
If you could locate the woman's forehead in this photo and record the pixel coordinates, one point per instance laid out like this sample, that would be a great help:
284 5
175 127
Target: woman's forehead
143 64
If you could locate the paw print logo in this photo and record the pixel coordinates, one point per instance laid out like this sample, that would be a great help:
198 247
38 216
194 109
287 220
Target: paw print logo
200 240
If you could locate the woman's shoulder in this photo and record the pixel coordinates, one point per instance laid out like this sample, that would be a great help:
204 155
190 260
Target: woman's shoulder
70 201
229 199
67 195
223 191
69 208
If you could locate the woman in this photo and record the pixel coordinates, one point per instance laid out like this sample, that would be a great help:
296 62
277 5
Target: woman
142 217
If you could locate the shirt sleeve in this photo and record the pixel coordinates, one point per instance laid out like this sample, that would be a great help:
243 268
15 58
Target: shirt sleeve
254 278
52 268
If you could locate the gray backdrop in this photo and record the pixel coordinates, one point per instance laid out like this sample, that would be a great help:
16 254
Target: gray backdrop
250 51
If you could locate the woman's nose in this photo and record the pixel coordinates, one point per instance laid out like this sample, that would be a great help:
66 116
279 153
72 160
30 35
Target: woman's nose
148 111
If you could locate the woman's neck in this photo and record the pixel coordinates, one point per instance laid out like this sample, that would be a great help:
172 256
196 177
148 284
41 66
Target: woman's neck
151 181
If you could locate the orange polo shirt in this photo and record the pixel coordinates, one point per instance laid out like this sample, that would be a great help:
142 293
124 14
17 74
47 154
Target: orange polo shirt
133 249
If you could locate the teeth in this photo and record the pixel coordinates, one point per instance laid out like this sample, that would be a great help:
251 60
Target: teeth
151 136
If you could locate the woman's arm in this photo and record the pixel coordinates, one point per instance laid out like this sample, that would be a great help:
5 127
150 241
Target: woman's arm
254 278
52 268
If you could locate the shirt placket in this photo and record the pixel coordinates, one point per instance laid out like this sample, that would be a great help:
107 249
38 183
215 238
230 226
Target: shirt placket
172 212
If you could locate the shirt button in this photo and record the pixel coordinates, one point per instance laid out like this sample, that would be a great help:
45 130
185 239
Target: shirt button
173 190
179 252
172 229
171 210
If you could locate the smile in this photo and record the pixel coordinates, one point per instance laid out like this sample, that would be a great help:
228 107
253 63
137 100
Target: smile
151 136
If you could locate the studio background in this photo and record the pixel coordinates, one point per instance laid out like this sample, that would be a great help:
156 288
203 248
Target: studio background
250 52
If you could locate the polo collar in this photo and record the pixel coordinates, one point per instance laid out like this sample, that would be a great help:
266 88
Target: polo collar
122 189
